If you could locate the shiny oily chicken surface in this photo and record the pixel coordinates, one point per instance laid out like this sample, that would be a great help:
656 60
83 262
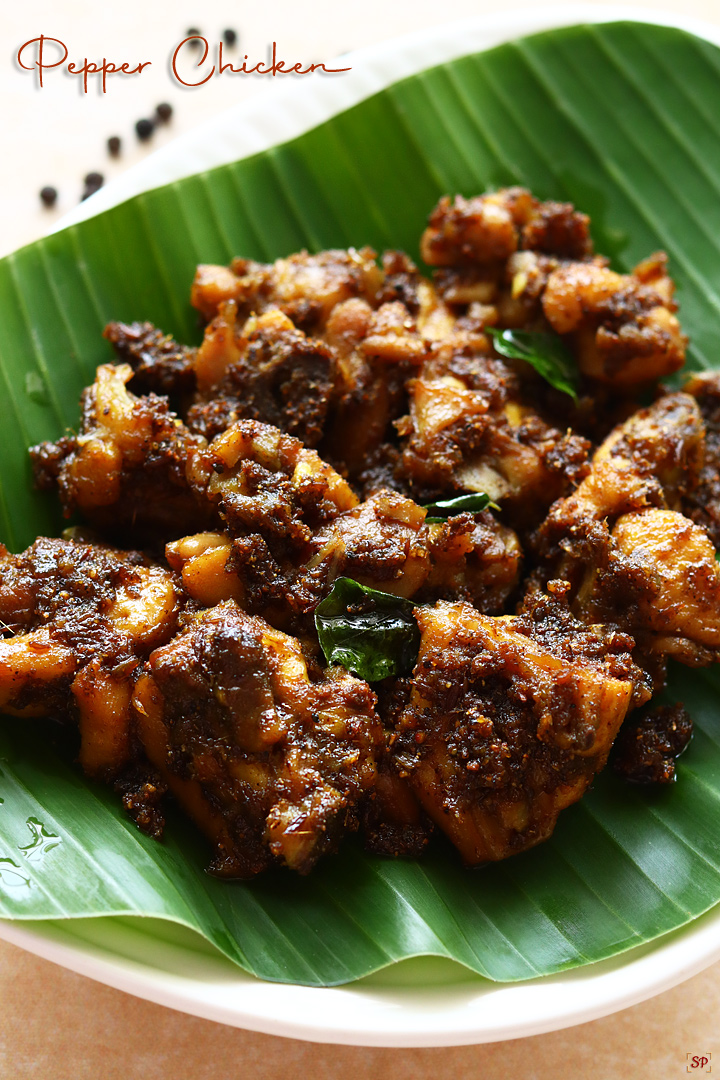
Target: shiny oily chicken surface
332 395
80 618
510 718
269 761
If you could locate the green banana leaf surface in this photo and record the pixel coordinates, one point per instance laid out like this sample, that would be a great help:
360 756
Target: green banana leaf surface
620 119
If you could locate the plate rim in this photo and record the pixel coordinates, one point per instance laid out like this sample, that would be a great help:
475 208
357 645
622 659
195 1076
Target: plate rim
472 1012
358 1014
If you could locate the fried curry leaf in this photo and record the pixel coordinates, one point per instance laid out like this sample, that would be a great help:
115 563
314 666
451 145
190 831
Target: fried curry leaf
462 504
545 352
371 633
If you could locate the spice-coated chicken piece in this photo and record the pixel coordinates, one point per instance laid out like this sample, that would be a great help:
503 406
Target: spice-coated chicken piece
82 617
488 229
469 429
495 252
273 495
702 503
126 470
630 556
262 369
160 365
385 543
376 352
509 719
530 265
270 761
621 328
261 479
294 525
305 287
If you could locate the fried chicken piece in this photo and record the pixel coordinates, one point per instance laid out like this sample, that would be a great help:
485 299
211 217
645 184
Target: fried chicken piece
305 287
473 557
489 228
273 495
393 821
160 365
380 543
264 369
621 327
629 558
531 266
259 477
82 617
294 525
648 745
383 543
702 503
126 470
376 351
469 430
270 762
496 252
509 719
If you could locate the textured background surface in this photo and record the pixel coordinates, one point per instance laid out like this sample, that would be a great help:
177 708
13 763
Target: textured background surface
54 1024
59 1026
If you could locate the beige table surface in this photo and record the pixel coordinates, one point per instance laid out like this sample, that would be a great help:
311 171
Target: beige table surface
55 1025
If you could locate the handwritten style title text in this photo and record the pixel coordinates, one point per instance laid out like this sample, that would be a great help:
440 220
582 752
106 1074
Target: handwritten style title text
44 54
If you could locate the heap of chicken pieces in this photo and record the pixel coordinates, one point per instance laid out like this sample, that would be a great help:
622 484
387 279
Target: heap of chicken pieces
223 489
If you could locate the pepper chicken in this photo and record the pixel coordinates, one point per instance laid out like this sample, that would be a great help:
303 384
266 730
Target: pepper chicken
333 423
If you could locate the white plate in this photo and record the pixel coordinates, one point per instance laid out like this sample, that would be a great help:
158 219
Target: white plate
417 1003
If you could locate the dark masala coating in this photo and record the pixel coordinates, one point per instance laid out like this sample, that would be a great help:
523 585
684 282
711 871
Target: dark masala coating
81 619
509 719
631 557
264 370
270 762
160 365
648 746
125 473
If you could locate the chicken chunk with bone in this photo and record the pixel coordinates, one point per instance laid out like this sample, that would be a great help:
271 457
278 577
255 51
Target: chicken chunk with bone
81 619
269 762
623 543
531 265
293 525
509 719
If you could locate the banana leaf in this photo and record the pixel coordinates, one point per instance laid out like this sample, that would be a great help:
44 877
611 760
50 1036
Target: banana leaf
620 119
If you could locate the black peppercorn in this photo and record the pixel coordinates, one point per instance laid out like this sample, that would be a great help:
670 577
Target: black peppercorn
163 112
144 129
94 180
230 37
113 145
194 33
48 195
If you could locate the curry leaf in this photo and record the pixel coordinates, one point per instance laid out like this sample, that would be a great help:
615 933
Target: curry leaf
461 504
371 633
547 353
